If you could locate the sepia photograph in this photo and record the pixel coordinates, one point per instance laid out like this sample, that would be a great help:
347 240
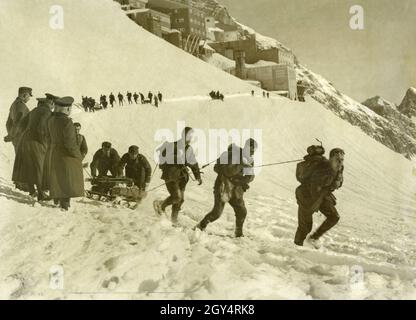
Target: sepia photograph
226 151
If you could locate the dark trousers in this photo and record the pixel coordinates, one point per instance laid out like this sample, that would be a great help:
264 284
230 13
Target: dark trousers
236 201
176 197
237 204
305 222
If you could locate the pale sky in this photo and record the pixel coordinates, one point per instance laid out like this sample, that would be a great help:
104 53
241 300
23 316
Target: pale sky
379 60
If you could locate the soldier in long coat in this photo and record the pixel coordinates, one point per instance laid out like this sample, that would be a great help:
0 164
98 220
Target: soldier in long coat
31 153
65 178
17 113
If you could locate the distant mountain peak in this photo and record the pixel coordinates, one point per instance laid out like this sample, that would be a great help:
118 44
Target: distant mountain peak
408 105
379 105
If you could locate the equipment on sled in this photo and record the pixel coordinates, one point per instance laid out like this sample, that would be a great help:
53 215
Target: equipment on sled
110 188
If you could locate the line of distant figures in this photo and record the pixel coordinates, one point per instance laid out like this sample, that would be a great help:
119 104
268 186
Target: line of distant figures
90 105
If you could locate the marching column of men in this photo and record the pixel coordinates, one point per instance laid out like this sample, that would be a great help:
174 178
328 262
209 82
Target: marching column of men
49 151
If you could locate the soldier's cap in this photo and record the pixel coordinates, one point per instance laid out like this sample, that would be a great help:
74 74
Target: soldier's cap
134 149
106 145
64 101
25 89
51 97
41 99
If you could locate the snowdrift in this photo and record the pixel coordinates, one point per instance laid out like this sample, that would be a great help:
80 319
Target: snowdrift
108 252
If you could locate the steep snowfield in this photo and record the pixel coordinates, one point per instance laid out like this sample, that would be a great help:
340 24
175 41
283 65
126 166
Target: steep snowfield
111 252
99 50
108 251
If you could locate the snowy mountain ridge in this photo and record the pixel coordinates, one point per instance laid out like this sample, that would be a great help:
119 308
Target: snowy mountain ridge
408 105
394 131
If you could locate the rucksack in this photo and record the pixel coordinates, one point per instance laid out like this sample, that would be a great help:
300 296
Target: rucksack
305 169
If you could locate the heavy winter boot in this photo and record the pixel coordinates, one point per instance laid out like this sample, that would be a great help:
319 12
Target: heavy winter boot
174 216
202 225
65 204
239 232
42 196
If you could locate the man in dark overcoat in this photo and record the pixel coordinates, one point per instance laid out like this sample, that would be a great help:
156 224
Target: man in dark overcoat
66 178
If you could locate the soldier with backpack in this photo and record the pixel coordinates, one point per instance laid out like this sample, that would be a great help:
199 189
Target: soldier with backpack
174 159
231 184
319 177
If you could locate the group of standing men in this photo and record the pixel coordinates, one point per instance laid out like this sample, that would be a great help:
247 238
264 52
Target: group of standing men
48 146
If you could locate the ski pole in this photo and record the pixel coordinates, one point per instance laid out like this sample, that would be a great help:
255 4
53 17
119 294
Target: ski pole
277 163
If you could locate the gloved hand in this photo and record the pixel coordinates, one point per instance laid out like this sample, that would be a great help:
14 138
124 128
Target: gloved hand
199 181
7 138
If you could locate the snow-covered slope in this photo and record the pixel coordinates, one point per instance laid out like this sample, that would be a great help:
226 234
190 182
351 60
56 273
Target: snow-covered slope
113 252
98 51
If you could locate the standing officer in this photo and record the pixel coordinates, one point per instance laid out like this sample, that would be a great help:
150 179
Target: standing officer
18 111
66 178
